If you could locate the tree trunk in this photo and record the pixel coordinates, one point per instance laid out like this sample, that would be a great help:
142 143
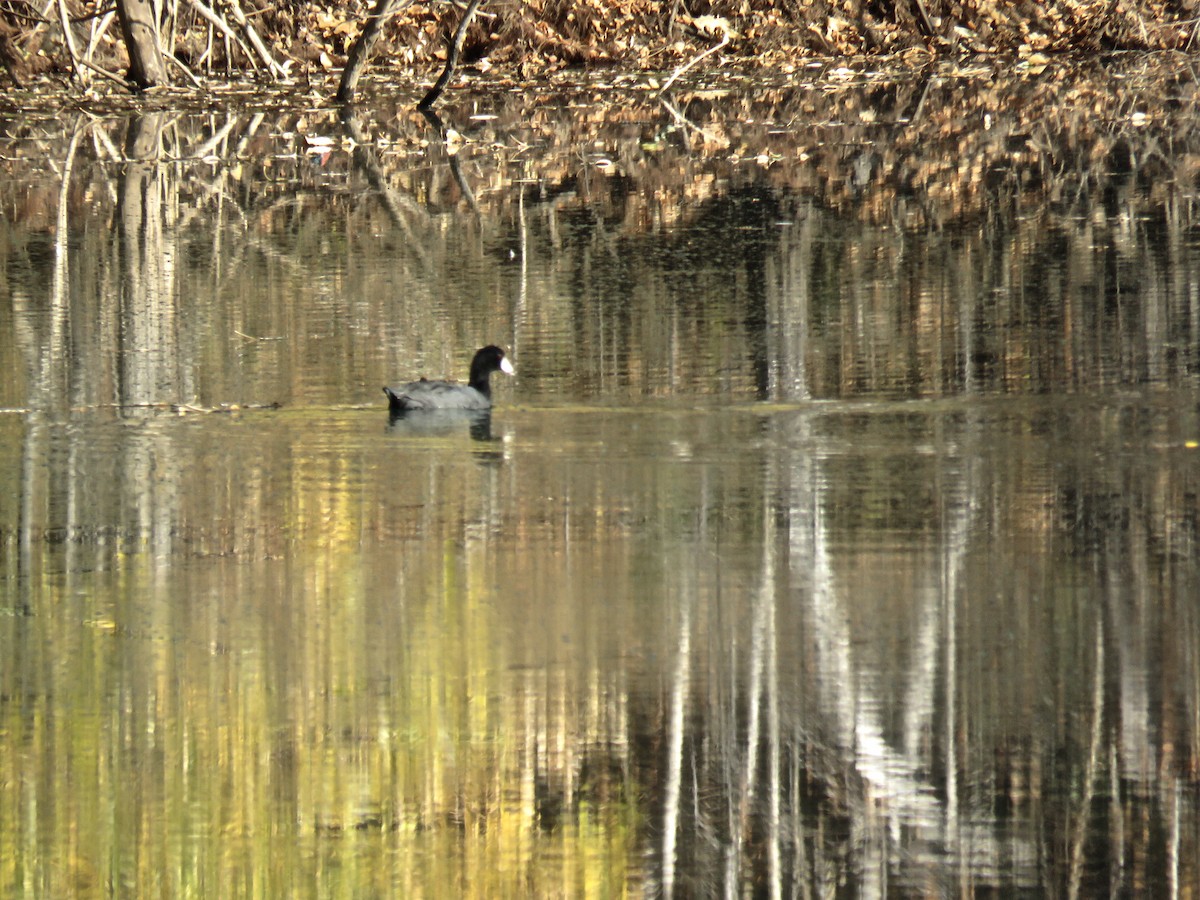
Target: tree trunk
452 54
360 51
141 40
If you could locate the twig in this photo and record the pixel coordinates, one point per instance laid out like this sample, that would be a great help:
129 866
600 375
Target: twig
916 116
213 142
673 18
172 21
95 14
206 56
193 408
27 17
452 55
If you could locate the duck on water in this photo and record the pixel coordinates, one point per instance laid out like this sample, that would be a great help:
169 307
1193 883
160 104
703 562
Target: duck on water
475 394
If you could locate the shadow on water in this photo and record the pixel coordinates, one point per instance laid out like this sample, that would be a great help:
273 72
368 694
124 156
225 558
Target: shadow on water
845 539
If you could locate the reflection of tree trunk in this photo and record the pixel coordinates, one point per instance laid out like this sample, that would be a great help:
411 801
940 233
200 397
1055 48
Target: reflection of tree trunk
769 599
759 696
141 41
451 156
675 732
52 384
49 363
402 209
1091 768
147 273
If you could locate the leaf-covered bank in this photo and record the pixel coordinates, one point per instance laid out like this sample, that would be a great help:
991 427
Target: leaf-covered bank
292 40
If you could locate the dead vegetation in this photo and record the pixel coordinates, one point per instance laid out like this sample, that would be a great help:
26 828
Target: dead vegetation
290 40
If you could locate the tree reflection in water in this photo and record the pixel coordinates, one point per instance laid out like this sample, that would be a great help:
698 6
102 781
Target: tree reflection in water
839 530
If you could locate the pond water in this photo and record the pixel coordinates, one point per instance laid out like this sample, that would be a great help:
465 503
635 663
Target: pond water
836 535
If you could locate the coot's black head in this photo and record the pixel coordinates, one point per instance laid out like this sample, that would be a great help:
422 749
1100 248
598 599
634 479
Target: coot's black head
487 360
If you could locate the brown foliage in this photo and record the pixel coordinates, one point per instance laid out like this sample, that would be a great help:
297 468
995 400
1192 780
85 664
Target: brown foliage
540 36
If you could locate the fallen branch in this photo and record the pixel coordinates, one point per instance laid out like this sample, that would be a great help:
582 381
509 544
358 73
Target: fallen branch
111 76
187 73
706 25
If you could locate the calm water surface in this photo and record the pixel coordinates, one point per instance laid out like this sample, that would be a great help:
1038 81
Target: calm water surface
808 554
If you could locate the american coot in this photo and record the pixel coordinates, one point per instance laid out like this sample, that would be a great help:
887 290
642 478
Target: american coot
475 394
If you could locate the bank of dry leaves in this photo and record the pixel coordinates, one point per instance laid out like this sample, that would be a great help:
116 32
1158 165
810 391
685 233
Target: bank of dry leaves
542 36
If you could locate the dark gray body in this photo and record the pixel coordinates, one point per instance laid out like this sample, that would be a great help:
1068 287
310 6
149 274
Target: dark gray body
436 395
475 394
